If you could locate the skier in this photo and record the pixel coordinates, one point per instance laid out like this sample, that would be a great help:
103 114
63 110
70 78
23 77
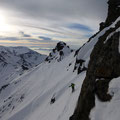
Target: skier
52 99
73 87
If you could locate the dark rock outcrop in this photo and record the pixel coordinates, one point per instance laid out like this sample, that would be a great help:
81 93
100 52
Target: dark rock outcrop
59 52
3 87
60 46
79 65
113 13
103 66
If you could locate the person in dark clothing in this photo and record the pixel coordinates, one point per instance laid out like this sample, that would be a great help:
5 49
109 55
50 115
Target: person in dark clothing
73 87
52 99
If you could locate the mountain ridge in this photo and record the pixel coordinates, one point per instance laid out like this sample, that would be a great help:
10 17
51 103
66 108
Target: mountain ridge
94 69
15 60
59 52
102 68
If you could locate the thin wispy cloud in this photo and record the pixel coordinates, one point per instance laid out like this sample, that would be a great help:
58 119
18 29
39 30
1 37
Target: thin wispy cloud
39 44
9 38
80 27
49 21
23 34
45 38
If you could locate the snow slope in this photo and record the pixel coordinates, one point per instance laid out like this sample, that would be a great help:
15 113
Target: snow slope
85 51
29 98
30 94
60 52
15 60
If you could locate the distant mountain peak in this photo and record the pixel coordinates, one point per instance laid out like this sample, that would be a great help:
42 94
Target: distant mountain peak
59 52
60 46
16 60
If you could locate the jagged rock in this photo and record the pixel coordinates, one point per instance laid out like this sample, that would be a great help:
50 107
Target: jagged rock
103 66
81 69
24 67
79 65
113 13
81 61
60 46
59 52
104 63
101 89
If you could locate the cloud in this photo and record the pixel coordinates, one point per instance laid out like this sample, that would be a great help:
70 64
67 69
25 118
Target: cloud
60 7
55 12
29 39
80 27
9 38
45 38
23 34
40 44
72 21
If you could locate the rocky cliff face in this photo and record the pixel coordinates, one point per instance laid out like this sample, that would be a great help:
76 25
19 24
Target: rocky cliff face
113 13
104 65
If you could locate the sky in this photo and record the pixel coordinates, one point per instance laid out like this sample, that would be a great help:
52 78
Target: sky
40 24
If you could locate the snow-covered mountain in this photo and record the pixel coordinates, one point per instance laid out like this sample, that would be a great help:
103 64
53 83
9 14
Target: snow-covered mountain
59 52
28 96
15 60
94 69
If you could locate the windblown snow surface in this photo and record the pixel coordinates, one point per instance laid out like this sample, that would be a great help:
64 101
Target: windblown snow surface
28 96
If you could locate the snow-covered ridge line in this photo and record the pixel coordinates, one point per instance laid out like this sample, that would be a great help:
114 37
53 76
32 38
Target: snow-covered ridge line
18 50
31 96
61 51
85 51
15 60
111 34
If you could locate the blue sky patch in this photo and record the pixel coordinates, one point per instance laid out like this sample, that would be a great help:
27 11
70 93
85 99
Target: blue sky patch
88 36
80 27
45 38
